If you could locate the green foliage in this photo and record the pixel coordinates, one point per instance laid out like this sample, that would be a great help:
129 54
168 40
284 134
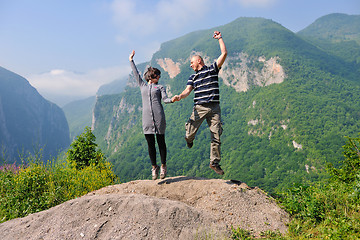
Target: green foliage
303 202
242 234
38 186
350 170
83 150
328 209
24 192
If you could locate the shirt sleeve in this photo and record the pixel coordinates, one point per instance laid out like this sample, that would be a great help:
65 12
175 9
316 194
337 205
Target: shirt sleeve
164 96
137 76
216 68
191 81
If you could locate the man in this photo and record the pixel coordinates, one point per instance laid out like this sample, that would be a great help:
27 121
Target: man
205 84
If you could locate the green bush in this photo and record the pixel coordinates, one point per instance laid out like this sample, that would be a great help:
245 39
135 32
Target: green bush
83 150
350 169
328 209
39 186
71 182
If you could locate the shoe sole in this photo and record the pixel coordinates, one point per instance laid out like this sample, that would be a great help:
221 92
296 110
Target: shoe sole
220 172
189 145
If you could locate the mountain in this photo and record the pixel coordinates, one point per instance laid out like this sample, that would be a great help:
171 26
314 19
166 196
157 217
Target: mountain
286 106
79 115
28 122
338 34
114 87
336 27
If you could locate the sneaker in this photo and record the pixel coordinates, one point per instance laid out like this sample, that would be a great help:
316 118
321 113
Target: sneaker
155 172
163 171
217 169
189 144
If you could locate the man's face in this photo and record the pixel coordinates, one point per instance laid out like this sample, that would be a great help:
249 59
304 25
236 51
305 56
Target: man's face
194 63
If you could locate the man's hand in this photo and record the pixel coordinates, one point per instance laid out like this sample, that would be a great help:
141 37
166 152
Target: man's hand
217 35
222 57
131 55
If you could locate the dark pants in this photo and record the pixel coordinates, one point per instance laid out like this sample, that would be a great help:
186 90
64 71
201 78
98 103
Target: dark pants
160 138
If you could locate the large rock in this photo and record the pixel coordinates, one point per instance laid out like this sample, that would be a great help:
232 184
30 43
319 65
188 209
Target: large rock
174 208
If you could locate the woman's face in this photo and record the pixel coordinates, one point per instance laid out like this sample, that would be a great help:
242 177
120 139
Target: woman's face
154 80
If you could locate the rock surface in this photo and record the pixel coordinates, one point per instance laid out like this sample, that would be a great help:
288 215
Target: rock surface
174 208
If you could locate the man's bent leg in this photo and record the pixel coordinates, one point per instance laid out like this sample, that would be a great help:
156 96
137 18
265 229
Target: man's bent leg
194 122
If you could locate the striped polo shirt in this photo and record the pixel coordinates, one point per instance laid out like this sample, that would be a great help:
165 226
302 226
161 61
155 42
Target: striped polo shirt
205 83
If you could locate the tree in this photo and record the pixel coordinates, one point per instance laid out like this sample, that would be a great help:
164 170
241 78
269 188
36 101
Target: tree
83 150
350 168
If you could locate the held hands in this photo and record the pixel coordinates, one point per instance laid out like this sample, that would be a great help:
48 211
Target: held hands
217 35
175 98
131 55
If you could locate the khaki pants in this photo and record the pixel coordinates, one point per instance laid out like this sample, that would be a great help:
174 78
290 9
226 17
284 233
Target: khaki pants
212 113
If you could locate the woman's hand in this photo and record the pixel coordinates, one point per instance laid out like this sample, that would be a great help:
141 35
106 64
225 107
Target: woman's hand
175 98
131 55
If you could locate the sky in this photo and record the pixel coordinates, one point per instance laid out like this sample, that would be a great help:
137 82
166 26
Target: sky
67 49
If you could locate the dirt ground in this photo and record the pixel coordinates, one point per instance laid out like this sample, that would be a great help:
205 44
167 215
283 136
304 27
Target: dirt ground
173 208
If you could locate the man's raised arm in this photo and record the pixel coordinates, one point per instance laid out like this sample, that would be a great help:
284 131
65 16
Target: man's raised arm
222 57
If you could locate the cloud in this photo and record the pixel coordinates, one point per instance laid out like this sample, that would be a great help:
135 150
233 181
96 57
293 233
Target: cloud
128 17
141 23
59 83
144 25
148 18
135 18
178 14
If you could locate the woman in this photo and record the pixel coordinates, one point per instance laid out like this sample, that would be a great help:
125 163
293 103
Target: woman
153 116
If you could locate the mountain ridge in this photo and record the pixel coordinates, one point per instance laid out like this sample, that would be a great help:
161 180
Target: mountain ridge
29 124
337 34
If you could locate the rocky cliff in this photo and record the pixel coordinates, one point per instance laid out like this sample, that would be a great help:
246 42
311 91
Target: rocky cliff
28 122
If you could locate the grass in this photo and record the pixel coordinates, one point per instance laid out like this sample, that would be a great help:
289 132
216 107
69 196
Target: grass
38 186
